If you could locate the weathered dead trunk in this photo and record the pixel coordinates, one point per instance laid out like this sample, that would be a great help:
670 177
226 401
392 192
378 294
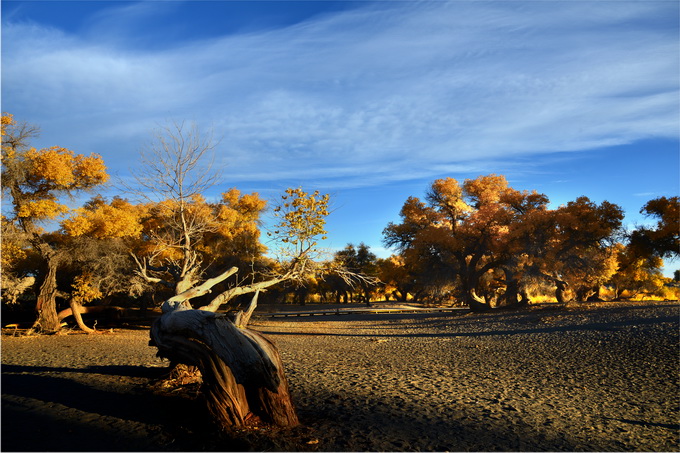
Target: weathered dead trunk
107 312
46 306
243 376
242 318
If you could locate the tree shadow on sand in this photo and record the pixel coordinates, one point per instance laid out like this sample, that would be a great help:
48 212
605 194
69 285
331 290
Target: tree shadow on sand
114 408
99 408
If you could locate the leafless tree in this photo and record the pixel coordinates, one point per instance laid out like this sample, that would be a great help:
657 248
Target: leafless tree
175 169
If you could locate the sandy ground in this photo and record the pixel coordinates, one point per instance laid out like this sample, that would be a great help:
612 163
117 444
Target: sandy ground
599 378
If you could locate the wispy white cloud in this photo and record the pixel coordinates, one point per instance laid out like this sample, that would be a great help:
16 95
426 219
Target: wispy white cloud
381 93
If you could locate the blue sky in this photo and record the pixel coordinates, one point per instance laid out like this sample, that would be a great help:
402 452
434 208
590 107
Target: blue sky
368 101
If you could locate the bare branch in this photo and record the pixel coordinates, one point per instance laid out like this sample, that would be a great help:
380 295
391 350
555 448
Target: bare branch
143 267
203 288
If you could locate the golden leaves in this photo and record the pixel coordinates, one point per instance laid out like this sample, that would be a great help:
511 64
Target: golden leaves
7 120
58 168
101 220
53 166
85 289
303 216
90 170
486 189
36 178
46 208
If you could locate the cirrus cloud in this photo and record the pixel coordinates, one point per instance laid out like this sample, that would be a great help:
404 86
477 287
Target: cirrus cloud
391 91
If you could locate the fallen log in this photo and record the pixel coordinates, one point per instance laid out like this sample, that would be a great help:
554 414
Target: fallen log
111 311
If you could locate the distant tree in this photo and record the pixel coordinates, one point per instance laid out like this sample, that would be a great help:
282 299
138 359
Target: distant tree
663 240
360 261
486 239
573 247
35 180
636 274
100 235
398 279
464 232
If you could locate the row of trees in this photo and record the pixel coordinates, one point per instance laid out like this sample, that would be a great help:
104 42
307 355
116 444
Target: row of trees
481 242
484 244
166 243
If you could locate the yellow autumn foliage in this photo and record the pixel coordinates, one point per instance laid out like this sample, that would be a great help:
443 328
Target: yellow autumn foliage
239 214
62 169
45 208
90 170
52 165
101 220
303 217
6 120
84 289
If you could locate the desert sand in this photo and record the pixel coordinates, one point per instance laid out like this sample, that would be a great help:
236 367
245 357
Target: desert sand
597 377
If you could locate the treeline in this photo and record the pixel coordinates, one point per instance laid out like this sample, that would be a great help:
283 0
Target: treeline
481 243
484 244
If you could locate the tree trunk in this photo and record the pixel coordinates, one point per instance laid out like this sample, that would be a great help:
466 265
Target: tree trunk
526 300
76 312
560 292
511 295
46 306
243 376
475 302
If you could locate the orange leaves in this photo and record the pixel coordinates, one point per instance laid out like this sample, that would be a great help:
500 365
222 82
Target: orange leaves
52 166
13 246
101 220
416 212
58 168
226 229
46 208
90 170
236 208
664 239
486 189
6 121
36 178
238 217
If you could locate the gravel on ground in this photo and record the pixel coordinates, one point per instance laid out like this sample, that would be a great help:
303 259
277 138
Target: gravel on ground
595 377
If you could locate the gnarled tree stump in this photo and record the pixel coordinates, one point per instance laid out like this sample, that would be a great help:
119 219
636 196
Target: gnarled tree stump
242 372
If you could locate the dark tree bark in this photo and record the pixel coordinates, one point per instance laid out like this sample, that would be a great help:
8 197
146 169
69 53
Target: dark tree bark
514 296
560 291
243 376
